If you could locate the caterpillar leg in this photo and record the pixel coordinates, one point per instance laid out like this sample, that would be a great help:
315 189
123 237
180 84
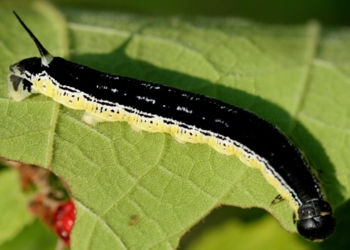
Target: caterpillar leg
180 140
91 119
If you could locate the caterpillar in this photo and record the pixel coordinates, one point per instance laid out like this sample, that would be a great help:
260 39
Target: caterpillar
186 116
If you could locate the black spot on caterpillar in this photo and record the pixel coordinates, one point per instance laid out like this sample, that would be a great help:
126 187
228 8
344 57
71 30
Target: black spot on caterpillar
189 118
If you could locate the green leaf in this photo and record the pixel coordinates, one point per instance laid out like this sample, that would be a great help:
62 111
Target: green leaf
34 236
13 212
139 190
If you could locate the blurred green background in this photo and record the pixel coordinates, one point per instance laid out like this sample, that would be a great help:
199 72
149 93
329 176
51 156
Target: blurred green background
327 12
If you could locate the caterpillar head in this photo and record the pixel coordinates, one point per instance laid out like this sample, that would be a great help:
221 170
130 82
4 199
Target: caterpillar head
315 220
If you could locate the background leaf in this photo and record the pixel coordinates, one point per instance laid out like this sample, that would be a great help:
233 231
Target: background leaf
12 207
33 236
142 190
